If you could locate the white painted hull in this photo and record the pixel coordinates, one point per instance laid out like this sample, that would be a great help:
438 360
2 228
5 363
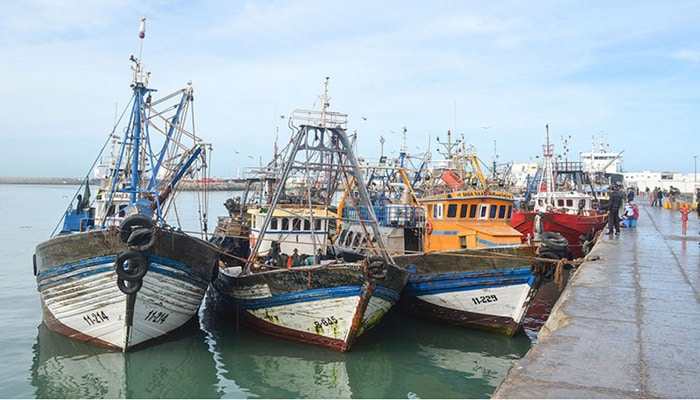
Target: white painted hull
326 306
503 302
490 288
81 299
94 306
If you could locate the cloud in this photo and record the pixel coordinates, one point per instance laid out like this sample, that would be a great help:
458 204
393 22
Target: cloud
626 68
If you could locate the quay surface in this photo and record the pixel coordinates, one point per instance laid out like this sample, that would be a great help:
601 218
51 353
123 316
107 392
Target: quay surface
628 323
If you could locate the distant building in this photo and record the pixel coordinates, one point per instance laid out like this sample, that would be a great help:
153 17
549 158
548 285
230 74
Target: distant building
684 182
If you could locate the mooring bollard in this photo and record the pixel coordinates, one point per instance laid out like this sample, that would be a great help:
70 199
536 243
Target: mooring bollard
684 217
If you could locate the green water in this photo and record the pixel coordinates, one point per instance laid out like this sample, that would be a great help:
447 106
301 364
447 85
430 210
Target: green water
212 358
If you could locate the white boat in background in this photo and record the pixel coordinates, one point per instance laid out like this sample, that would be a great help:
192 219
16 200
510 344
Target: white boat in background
562 205
117 274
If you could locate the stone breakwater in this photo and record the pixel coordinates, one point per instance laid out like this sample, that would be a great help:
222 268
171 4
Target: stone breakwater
185 185
39 181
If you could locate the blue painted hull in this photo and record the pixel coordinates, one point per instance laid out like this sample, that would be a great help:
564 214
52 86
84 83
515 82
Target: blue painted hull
81 297
488 289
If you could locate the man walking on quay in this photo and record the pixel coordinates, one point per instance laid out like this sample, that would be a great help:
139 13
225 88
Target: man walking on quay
614 205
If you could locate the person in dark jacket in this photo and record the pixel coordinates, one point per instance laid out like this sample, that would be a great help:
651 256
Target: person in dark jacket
614 205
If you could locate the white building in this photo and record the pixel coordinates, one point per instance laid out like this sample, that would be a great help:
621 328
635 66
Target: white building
685 182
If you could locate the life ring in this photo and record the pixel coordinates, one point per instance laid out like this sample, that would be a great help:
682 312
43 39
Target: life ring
137 267
131 222
428 227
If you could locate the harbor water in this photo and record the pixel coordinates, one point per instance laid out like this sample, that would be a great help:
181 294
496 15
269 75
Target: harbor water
213 358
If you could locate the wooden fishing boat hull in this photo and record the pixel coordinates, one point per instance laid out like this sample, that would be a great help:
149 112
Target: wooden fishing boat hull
575 228
328 305
80 290
486 288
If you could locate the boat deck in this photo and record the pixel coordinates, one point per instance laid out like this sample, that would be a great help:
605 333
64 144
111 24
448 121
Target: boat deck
627 324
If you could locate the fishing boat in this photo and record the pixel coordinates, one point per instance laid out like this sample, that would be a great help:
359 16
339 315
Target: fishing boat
289 287
474 269
561 205
469 266
401 220
117 274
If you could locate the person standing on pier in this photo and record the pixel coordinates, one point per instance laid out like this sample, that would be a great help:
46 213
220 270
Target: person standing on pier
614 205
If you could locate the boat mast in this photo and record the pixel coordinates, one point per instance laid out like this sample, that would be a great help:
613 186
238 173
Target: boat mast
548 173
325 102
139 83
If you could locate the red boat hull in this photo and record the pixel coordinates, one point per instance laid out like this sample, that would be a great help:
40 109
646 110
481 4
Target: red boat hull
573 227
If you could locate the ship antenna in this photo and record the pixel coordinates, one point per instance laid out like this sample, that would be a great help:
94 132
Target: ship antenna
139 76
325 102
142 34
548 147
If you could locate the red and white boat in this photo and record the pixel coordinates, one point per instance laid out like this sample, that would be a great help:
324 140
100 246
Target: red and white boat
562 206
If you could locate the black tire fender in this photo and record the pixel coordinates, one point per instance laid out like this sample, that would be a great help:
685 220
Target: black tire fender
545 269
141 239
555 241
137 267
132 222
126 289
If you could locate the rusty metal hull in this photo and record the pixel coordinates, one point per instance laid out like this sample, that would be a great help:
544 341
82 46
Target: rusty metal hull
80 297
328 306
486 288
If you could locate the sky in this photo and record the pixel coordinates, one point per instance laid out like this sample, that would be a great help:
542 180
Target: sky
496 72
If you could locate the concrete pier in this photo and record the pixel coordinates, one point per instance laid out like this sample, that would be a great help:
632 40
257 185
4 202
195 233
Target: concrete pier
628 323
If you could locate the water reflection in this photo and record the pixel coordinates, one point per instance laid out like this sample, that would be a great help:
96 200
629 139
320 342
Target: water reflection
180 367
433 360
403 357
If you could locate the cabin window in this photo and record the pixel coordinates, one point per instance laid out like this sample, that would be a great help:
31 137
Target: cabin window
472 211
502 211
560 202
307 225
463 211
317 224
483 211
494 210
451 210
438 211
356 241
510 211
569 202
285 224
463 242
296 224
540 202
273 224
